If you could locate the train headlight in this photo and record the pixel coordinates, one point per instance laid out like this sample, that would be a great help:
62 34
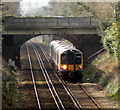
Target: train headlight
64 67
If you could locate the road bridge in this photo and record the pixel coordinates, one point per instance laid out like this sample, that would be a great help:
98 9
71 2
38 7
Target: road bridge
16 31
50 25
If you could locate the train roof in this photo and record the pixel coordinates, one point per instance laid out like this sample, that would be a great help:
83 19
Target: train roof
61 46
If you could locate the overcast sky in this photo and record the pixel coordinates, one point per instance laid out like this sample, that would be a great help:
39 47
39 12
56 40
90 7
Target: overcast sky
37 3
29 5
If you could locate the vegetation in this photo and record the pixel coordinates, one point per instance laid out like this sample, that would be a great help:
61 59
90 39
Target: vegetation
10 16
9 85
104 70
111 40
14 16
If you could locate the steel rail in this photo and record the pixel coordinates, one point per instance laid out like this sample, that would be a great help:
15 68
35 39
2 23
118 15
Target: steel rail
33 79
85 91
48 59
69 92
48 78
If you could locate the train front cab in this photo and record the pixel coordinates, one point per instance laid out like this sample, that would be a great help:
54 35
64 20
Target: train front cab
71 62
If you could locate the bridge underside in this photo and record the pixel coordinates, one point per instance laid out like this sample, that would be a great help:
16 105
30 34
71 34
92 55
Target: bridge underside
87 43
52 31
11 47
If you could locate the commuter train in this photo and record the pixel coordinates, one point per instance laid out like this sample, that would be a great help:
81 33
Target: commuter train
66 58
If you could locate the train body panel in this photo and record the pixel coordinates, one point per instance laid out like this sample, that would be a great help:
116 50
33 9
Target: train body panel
65 57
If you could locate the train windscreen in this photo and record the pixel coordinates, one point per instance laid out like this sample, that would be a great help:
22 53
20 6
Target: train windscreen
70 58
78 58
63 59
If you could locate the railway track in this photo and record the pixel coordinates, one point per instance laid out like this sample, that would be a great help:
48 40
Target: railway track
91 103
90 97
67 103
43 95
74 101
33 79
49 82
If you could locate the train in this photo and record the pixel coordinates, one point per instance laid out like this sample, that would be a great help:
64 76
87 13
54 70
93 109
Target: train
67 59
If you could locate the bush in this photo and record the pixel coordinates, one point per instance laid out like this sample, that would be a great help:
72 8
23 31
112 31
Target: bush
111 40
10 16
104 81
91 74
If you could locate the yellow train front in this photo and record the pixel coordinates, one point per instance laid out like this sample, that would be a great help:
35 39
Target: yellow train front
66 58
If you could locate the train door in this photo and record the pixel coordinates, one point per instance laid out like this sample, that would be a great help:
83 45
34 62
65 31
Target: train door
71 60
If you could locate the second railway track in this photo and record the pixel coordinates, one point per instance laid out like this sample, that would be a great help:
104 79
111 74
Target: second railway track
45 97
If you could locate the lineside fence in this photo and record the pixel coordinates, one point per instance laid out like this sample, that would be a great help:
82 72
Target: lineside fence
92 57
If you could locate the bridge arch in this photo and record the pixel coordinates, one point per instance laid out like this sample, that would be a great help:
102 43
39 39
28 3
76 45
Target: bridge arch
77 30
87 43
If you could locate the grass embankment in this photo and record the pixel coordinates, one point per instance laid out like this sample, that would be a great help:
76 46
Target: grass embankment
104 70
9 86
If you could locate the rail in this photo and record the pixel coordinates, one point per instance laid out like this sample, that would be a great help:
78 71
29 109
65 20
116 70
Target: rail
90 97
35 88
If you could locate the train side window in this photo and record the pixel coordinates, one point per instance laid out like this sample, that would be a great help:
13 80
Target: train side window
52 50
57 57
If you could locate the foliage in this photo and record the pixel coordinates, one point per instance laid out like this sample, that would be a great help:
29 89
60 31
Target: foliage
106 71
114 91
68 9
38 16
104 81
9 84
110 35
10 16
111 40
91 74
14 16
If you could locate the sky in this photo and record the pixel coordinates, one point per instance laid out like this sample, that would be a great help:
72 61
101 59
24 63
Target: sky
37 2
29 5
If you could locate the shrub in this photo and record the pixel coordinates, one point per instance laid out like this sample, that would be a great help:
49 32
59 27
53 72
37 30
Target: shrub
103 81
111 40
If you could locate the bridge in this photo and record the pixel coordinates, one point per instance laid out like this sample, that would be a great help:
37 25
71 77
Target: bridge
50 25
78 30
